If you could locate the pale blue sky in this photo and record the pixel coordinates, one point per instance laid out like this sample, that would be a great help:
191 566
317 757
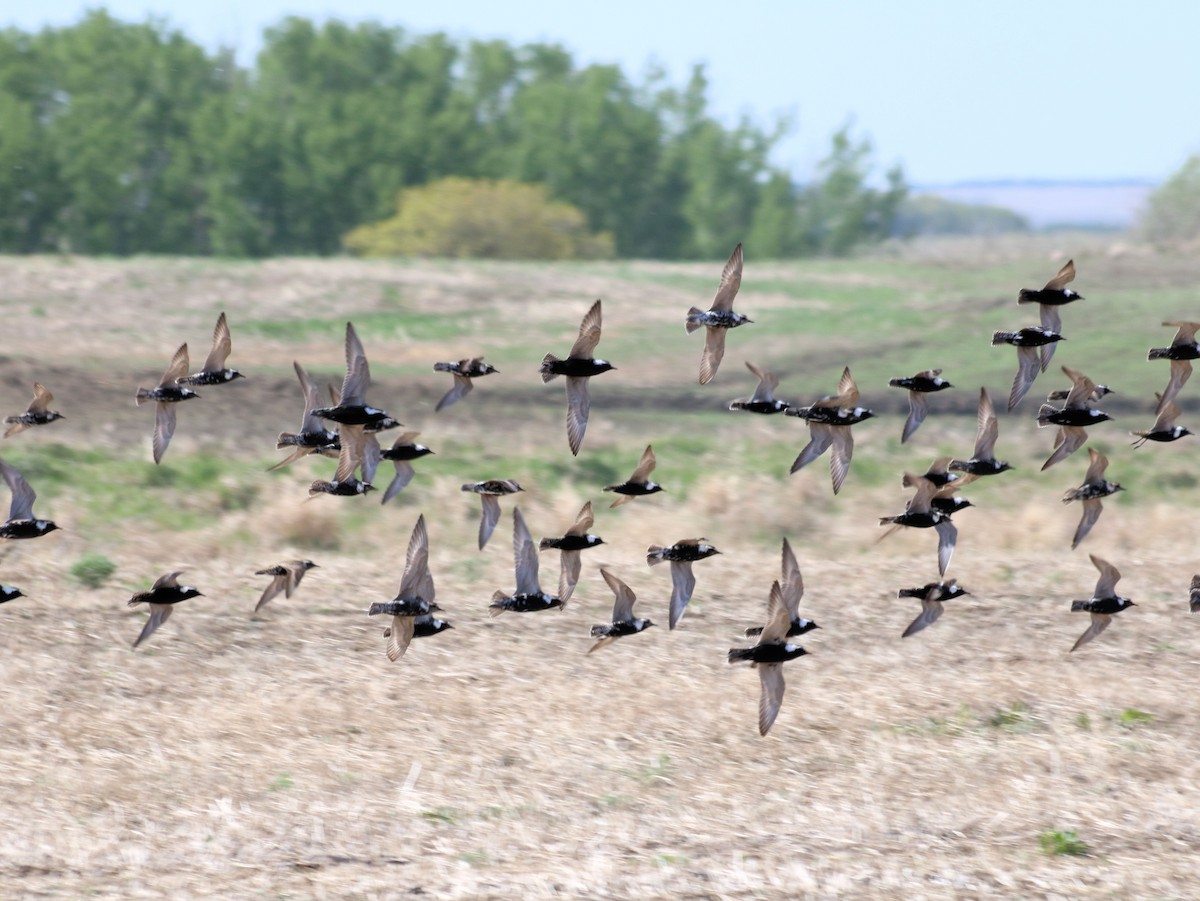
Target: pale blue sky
1063 89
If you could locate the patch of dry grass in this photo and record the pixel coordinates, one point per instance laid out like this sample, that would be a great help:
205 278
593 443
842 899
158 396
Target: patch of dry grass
283 756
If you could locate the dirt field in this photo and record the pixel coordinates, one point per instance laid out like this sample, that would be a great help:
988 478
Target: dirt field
283 756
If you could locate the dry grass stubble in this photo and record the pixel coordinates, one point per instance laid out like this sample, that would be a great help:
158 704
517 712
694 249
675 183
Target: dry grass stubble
283 756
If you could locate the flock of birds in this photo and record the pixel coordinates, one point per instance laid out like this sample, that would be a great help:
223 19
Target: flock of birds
347 429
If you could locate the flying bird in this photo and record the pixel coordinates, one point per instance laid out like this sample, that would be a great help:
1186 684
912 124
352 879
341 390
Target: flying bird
313 437
162 597
1104 603
682 554
8 593
575 540
578 367
489 491
401 454
1164 428
763 399
623 621
638 484
1053 295
1194 595
1026 341
983 461
37 413
464 372
1094 488
921 514
791 586
344 483
768 656
21 522
415 597
165 395
1184 348
1076 414
829 421
719 317
285 577
931 597
215 372
352 408
528 596
925 382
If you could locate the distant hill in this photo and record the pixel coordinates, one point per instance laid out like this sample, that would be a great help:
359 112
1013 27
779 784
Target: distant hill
1047 204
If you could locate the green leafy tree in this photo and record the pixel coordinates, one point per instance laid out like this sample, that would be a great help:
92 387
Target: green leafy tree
1173 209
458 217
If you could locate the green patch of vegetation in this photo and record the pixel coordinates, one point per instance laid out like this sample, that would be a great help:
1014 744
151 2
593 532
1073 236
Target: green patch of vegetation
657 771
1131 717
92 570
444 814
1084 722
474 858
1064 843
393 324
1014 718
282 782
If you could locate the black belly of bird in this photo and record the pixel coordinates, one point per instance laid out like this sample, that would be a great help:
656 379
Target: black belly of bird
615 630
634 489
760 406
915 520
568 543
26 528
576 367
167 394
1090 491
1110 605
980 467
830 415
1075 417
1163 435
527 603
222 377
799 626
34 418
1052 297
357 414
767 653
943 592
949 505
403 607
405 452
719 319
1175 352
685 552
428 627
921 383
1026 337
323 438
347 488
8 593
168 594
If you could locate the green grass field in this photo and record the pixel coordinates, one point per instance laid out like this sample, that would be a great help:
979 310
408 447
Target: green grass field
283 756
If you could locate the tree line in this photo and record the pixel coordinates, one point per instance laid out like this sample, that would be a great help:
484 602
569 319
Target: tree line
122 138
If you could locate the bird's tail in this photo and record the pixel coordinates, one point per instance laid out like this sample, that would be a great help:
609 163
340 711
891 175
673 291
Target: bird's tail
1002 337
1076 606
1159 353
1043 411
691 325
547 543
1027 296
654 554
445 367
736 654
547 375
285 439
142 396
